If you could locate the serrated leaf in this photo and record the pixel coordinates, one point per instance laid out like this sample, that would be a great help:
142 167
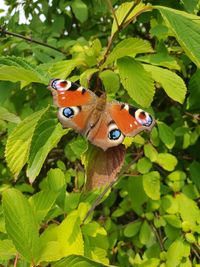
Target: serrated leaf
62 69
126 13
42 202
102 166
167 161
47 134
8 116
151 183
173 85
7 249
136 80
19 141
182 23
69 235
129 46
21 224
80 261
166 134
80 10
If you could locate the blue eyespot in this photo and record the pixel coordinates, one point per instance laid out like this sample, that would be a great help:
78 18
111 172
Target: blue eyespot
68 112
114 134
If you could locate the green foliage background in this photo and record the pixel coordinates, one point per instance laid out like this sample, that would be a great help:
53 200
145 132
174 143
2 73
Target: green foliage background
144 53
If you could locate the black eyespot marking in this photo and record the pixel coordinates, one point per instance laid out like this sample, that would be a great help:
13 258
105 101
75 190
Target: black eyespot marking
68 112
83 91
114 134
132 111
53 83
73 87
122 106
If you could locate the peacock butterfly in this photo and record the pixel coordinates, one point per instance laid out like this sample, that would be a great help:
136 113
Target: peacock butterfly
104 124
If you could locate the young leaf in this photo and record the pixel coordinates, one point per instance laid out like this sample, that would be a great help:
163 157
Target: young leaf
180 23
21 224
19 141
173 85
167 161
47 134
69 235
127 47
166 134
102 166
151 183
136 80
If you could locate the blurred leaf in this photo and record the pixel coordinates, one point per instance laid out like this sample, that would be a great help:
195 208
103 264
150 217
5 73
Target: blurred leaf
19 141
151 183
132 229
127 47
144 165
173 220
80 10
173 85
194 173
136 80
21 224
8 116
145 233
55 180
102 166
181 24
190 5
47 134
166 134
110 81
194 92
167 161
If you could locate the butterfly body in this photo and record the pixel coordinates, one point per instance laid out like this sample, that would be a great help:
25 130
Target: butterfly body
105 124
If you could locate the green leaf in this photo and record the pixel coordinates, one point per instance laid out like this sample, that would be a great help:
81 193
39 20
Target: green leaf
182 24
173 220
19 141
151 183
136 80
110 81
145 233
80 10
55 180
41 203
21 224
80 261
169 204
69 235
127 47
176 252
150 152
144 165
8 116
173 85
190 5
194 92
132 229
47 134
167 161
194 173
126 13
62 69
7 249
166 134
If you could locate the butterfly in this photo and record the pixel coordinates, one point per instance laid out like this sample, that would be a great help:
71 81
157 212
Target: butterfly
104 124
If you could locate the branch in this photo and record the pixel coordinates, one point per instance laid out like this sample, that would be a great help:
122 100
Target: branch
113 12
3 31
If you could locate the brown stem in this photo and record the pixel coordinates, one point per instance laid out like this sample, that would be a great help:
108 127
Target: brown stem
2 30
16 260
157 234
113 12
